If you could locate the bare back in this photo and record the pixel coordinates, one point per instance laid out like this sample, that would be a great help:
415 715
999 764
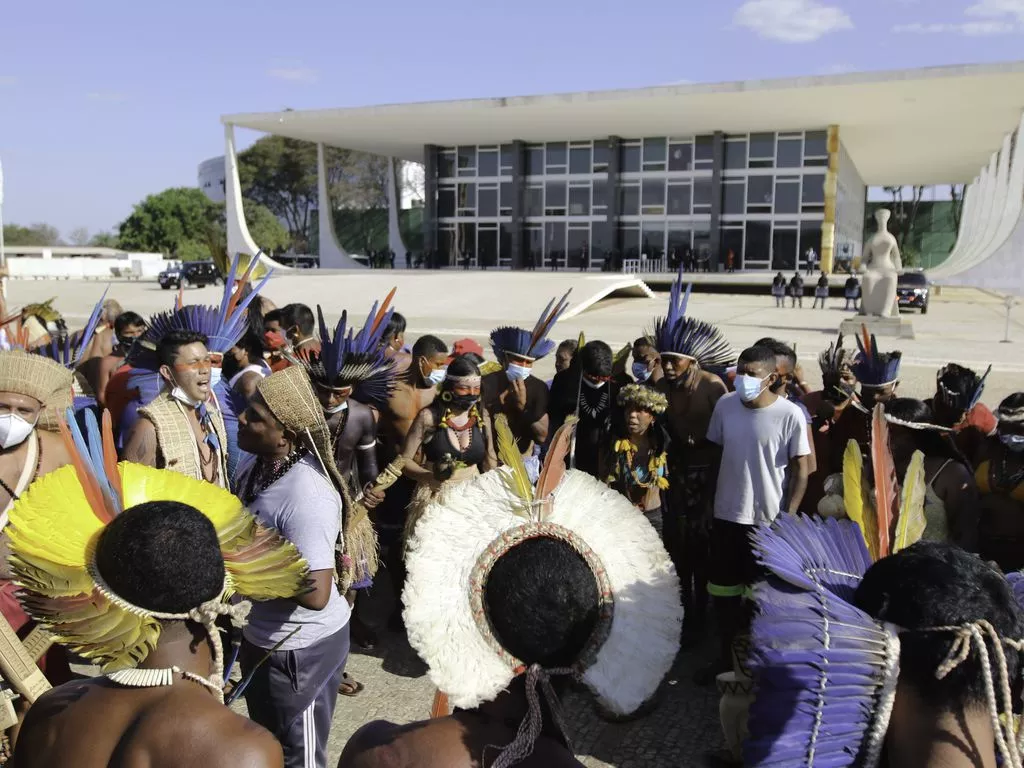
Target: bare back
689 413
397 417
97 724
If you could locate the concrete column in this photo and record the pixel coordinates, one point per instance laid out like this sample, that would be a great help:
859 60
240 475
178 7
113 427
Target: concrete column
332 254
395 242
430 201
239 239
614 211
718 155
518 204
828 225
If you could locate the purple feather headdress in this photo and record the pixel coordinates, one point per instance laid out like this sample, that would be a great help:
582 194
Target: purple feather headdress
62 351
875 368
354 359
825 672
677 334
533 345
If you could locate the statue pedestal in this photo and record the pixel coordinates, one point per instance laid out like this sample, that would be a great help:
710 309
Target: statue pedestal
899 327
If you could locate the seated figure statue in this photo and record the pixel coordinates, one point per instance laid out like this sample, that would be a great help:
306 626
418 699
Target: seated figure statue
882 266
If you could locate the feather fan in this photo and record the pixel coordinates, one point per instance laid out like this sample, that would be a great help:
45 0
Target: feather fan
887 490
911 522
516 478
553 471
854 496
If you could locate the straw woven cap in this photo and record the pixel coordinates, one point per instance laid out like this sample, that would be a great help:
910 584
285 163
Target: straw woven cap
33 375
290 397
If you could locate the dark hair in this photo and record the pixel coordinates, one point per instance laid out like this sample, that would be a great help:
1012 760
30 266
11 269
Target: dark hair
253 347
596 359
395 326
1012 402
645 342
473 357
300 316
928 441
428 346
757 355
128 320
463 365
934 584
568 344
168 347
274 316
542 600
778 349
162 556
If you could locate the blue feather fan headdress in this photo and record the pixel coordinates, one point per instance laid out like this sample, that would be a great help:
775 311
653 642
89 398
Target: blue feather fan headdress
354 359
677 334
874 368
532 345
62 351
961 401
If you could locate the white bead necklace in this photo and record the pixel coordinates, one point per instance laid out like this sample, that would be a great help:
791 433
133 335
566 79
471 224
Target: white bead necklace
160 678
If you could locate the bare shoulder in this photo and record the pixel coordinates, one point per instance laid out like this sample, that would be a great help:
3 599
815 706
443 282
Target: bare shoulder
381 744
712 383
54 452
372 745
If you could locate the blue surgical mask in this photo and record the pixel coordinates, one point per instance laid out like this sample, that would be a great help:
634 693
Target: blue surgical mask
1014 442
748 387
518 372
436 376
641 372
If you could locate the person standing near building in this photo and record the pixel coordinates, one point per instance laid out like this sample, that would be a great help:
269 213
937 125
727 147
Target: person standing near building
762 436
821 291
779 290
796 290
811 262
851 292
730 261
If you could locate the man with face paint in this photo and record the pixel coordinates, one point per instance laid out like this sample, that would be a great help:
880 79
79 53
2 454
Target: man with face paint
182 428
763 440
1000 479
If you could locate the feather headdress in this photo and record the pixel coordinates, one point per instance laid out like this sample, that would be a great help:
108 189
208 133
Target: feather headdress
874 368
469 528
677 334
532 345
968 392
353 359
834 359
55 526
63 352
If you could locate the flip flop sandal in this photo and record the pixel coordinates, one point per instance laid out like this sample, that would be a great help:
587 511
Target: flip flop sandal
350 687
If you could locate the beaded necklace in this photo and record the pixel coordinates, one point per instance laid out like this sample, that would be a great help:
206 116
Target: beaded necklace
651 476
267 477
456 434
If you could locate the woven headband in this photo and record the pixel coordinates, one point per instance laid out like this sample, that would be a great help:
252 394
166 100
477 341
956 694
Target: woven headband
463 381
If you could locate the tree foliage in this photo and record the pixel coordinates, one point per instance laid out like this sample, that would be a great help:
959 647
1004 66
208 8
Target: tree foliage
34 234
79 236
904 212
105 240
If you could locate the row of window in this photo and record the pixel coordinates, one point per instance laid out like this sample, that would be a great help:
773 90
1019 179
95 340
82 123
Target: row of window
648 197
757 150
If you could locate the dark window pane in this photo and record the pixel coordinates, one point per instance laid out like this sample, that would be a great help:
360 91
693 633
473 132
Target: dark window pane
507 198
760 190
652 240
467 197
629 242
704 151
600 200
814 190
534 201
505 244
446 165
445 202
557 153
487 247
701 194
784 245
680 157
654 150
600 156
678 242
579 248
759 240
787 197
816 144
579 201
600 242
629 200
446 246
554 243
488 163
762 146
535 161
810 237
816 162
790 153
732 240
630 158
508 158
487 205
654 193
467 161
579 160
734 198
535 244
679 199
736 154
466 243
554 199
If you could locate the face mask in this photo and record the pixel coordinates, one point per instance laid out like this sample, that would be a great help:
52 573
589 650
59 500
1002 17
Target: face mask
463 402
337 408
748 387
215 376
640 372
518 372
436 376
1014 442
14 430
593 384
126 343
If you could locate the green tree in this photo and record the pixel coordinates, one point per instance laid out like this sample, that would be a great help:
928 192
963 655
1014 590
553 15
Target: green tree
105 240
269 233
167 221
35 234
79 236
904 212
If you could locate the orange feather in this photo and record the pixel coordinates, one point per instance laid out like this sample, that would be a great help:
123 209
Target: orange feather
383 310
887 490
440 707
867 340
553 471
110 457
550 319
90 487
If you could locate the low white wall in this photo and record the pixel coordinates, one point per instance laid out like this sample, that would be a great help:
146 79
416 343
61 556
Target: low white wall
34 267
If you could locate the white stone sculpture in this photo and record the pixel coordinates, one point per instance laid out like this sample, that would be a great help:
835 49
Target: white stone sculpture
882 266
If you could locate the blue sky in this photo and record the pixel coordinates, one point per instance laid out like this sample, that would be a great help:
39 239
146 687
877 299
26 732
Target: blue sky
102 103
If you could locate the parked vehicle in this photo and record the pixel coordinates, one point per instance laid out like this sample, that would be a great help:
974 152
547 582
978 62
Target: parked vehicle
191 273
912 291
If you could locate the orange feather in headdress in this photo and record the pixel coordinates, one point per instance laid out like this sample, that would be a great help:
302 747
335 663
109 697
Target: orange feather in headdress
887 490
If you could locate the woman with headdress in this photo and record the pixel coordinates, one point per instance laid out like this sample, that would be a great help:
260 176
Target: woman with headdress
450 441
1000 478
513 592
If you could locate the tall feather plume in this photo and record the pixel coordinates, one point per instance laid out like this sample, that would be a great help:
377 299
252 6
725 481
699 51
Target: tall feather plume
59 350
517 480
547 321
887 491
553 471
911 523
91 465
979 389
853 495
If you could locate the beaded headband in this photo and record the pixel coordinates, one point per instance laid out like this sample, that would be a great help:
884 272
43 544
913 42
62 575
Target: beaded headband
463 381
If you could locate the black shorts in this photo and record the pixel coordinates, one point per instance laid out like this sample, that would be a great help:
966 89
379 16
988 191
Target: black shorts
732 566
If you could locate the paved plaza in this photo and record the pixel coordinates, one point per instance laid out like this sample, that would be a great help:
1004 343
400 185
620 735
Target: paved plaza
963 325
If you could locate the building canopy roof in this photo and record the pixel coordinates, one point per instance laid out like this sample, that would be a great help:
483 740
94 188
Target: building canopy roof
924 126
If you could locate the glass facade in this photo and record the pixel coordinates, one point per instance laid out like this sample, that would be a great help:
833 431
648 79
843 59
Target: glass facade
584 209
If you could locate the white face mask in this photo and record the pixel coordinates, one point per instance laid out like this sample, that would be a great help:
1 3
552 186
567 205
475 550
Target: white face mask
336 409
182 396
14 430
215 377
436 376
518 372
593 384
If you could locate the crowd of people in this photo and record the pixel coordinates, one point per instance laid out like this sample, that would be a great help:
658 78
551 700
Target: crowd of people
855 548
794 289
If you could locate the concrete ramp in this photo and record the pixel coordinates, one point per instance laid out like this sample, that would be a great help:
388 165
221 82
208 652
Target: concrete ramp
452 298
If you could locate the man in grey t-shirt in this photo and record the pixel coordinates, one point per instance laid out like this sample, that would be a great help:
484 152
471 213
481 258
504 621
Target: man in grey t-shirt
762 436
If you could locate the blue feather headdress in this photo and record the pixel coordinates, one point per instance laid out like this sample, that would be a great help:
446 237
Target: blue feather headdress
62 351
677 334
354 359
874 368
825 671
532 345
961 401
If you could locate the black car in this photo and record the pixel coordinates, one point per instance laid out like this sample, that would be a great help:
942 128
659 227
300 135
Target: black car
197 273
912 291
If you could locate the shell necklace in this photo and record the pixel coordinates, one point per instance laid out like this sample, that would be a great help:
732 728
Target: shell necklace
160 678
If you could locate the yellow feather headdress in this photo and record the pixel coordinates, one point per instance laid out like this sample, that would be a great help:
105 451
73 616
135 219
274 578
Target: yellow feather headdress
55 527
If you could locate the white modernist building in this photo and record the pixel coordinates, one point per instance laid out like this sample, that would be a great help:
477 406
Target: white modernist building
212 179
761 169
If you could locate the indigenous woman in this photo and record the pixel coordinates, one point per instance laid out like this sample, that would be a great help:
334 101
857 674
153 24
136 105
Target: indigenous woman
1000 478
638 462
450 441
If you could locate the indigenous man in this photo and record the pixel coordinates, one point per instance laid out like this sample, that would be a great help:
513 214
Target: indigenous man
182 429
586 390
501 638
298 324
98 370
564 355
515 391
687 348
646 362
156 572
957 405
